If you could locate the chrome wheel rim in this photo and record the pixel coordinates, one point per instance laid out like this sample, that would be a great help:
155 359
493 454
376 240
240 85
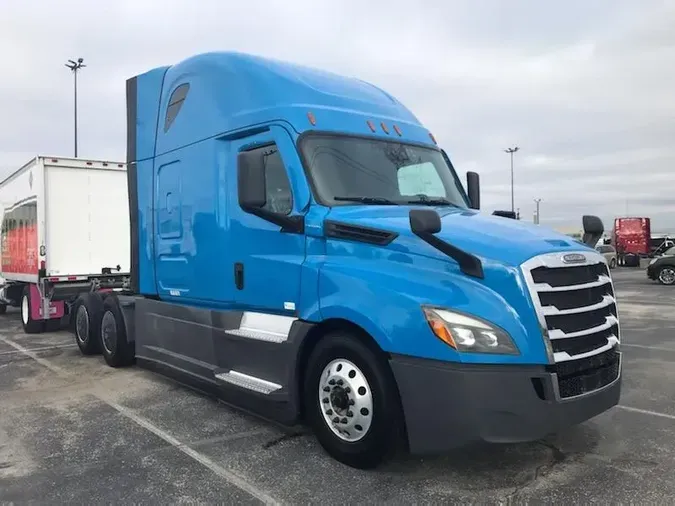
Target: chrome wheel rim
109 332
24 309
345 400
82 324
667 276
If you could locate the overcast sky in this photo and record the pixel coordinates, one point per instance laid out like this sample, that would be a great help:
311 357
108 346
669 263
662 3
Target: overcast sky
585 88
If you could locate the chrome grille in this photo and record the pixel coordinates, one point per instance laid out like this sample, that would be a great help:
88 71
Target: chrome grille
575 304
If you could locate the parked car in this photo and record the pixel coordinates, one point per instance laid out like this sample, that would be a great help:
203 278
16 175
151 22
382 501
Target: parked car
608 251
662 268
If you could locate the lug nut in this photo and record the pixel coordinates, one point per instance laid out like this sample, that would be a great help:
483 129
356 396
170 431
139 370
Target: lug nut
340 382
329 412
331 382
336 420
350 414
344 420
325 400
348 390
351 402
326 389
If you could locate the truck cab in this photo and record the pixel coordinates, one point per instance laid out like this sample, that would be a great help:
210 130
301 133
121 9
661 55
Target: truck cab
303 248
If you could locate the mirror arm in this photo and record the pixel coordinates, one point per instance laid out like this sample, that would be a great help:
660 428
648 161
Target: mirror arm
291 224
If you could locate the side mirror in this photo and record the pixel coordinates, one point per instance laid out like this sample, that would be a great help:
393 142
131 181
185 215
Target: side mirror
473 189
251 180
424 221
593 230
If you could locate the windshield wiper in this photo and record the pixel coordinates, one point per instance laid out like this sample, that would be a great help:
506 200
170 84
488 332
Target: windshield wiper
431 201
368 200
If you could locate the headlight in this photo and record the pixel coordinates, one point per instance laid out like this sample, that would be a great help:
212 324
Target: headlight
468 333
652 261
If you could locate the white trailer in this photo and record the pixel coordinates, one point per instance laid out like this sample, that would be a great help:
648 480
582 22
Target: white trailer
65 232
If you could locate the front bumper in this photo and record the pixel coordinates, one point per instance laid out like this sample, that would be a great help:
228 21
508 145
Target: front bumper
651 272
449 405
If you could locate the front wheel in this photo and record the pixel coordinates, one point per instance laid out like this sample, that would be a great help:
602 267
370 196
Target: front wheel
667 275
351 402
612 263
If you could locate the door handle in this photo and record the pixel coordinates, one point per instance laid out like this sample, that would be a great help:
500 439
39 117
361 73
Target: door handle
239 275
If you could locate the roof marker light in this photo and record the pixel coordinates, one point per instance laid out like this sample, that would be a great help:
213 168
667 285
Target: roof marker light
371 125
431 136
384 128
398 130
89 163
54 160
311 118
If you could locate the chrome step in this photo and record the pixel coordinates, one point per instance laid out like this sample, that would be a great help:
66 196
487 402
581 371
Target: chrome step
248 382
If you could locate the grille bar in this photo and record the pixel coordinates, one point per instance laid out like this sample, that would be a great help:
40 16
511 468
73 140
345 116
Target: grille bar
545 287
607 300
559 334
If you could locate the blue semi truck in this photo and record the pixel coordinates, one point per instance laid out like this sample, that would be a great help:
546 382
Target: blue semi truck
303 249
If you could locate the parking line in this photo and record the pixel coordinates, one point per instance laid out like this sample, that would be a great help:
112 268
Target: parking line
202 459
228 476
647 412
644 347
43 348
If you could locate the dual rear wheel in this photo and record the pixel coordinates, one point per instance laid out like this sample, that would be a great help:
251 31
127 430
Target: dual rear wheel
99 327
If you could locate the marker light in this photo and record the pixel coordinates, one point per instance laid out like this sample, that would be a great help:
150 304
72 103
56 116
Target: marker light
371 125
467 333
311 118
433 139
385 129
398 130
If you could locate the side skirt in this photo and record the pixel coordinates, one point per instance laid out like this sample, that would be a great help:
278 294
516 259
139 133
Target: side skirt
246 359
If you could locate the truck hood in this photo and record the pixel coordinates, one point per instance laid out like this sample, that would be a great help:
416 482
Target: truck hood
491 237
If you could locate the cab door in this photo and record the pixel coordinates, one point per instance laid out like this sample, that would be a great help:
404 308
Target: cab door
267 260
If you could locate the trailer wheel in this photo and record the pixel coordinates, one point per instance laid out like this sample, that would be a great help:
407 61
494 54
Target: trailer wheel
116 350
88 323
351 402
30 326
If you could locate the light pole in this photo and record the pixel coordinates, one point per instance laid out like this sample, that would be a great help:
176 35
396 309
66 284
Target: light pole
536 215
74 67
510 151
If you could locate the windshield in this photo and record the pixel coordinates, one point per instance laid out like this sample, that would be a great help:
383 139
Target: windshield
670 251
347 170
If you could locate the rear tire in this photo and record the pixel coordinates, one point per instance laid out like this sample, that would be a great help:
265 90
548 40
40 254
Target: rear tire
343 374
116 349
30 326
88 323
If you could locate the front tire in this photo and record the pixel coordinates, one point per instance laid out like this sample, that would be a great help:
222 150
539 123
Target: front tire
352 402
667 275
116 349
612 263
30 326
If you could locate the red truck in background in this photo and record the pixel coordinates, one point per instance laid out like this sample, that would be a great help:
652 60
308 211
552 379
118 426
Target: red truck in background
632 235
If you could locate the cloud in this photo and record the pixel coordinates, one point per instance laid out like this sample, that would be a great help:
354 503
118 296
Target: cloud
584 88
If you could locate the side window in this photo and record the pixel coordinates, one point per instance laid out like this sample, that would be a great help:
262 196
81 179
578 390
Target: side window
175 103
279 199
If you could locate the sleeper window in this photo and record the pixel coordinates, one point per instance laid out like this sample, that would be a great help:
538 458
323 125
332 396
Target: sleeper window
175 103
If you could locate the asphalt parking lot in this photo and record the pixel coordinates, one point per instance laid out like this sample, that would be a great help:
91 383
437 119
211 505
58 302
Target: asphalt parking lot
74 430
